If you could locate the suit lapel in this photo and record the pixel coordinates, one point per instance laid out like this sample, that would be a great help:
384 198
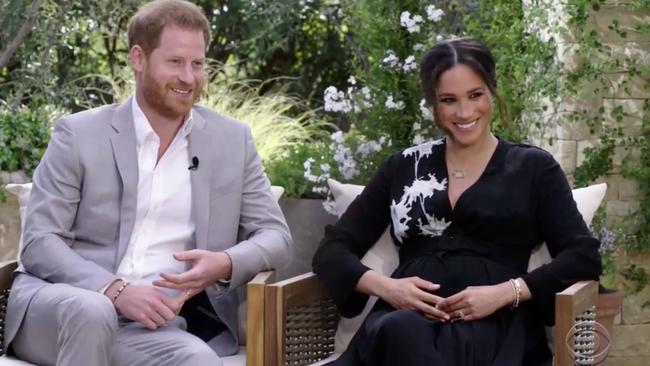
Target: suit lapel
126 158
201 147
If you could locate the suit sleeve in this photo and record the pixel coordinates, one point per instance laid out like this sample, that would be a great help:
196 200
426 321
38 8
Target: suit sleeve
51 212
572 246
337 261
264 241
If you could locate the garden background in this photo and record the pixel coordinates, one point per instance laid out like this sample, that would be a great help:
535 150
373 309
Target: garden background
330 89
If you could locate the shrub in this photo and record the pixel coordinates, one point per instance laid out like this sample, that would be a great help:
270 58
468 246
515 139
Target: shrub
24 135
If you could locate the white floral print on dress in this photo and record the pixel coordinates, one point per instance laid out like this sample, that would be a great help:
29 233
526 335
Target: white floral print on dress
422 188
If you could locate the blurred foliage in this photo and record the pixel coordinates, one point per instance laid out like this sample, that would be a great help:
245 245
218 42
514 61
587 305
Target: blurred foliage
302 41
297 40
24 136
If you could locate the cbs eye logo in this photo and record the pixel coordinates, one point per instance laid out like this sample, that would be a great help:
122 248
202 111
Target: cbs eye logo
589 342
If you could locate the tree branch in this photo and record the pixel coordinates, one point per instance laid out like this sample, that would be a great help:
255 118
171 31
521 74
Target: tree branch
22 34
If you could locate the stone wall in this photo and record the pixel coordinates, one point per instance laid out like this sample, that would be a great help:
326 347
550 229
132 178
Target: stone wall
567 141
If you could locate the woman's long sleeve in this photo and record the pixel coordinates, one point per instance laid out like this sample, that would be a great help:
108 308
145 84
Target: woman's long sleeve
570 243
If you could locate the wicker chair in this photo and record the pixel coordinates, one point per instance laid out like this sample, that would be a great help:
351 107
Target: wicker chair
255 322
302 320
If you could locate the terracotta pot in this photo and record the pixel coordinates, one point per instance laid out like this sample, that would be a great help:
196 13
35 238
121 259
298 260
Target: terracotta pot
608 307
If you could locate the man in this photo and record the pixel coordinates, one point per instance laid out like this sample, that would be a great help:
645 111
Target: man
139 208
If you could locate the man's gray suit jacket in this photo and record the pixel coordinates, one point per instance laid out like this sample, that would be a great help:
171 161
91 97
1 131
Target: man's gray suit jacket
82 209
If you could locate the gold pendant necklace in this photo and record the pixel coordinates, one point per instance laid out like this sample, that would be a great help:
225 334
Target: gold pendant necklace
458 174
455 172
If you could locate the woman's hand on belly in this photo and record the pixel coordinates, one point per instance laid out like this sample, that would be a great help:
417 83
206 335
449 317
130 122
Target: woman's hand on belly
411 293
477 302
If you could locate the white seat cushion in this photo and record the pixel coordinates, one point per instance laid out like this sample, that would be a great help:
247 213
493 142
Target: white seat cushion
235 360
383 256
12 361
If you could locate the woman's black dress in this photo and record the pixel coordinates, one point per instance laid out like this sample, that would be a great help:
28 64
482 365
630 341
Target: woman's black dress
521 199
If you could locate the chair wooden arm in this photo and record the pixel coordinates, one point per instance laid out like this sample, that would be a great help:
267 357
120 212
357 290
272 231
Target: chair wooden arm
575 304
304 319
7 269
255 324
6 277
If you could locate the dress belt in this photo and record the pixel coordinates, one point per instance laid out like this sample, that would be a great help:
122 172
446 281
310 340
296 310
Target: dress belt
461 244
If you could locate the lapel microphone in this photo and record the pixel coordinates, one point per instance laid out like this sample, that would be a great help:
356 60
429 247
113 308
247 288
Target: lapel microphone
195 163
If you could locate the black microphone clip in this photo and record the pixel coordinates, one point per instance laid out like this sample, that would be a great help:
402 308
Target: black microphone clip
195 163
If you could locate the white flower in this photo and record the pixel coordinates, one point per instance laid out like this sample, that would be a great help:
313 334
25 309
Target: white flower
409 64
418 47
418 139
310 177
439 38
349 169
329 206
343 157
412 24
391 60
427 114
308 163
325 168
417 126
434 14
366 101
352 80
337 137
368 148
335 101
321 189
392 104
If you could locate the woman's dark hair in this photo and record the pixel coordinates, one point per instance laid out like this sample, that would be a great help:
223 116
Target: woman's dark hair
447 54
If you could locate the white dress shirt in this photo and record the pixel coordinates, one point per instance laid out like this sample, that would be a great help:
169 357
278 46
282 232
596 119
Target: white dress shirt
163 223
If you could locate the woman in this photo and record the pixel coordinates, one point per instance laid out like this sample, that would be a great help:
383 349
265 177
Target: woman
465 212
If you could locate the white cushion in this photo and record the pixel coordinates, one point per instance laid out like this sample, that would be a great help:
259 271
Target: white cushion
235 360
587 199
277 192
383 256
12 361
22 191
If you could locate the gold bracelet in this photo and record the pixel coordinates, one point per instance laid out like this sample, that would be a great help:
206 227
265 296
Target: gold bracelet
516 288
119 290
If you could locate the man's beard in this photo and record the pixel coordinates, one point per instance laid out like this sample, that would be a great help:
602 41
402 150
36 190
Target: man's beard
159 98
